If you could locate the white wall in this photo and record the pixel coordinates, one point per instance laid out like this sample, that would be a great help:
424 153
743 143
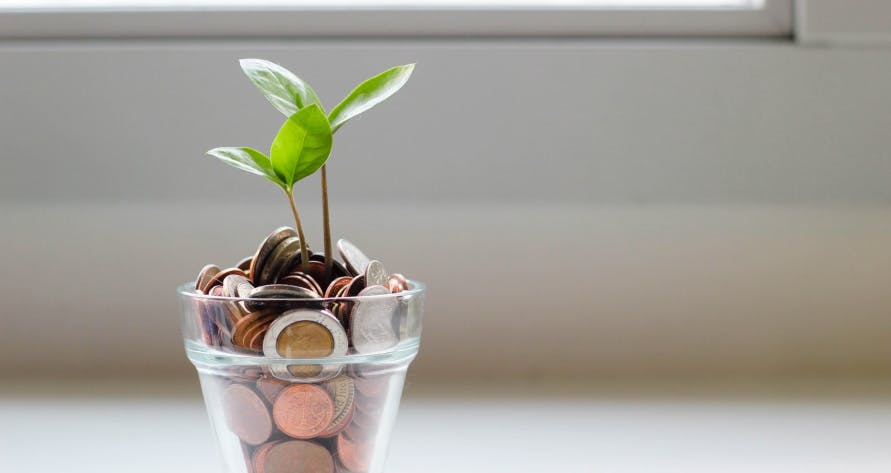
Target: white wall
577 207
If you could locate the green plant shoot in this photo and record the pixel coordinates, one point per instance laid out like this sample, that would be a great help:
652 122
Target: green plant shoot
300 148
289 94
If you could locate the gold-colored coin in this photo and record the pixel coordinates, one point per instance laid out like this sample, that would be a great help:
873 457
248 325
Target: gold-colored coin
304 339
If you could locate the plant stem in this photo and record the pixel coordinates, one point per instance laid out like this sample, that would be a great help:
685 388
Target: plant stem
304 254
326 224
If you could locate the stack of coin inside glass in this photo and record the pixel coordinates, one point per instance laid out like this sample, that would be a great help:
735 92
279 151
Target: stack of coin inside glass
312 417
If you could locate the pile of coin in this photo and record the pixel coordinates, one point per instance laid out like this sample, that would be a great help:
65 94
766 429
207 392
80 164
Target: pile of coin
312 417
283 319
323 427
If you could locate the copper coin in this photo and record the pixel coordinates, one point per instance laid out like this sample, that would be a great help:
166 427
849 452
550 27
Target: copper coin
244 264
294 456
303 411
355 456
336 285
246 322
258 326
255 341
302 280
316 270
355 259
343 393
265 249
246 414
355 286
269 387
337 268
397 283
204 276
215 291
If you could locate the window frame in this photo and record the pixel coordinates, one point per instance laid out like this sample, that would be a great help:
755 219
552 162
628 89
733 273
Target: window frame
773 20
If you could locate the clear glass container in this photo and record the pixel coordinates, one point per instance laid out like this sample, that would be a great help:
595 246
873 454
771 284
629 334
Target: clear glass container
329 412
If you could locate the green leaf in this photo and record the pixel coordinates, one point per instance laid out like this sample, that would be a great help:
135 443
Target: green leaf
247 159
284 90
370 93
302 145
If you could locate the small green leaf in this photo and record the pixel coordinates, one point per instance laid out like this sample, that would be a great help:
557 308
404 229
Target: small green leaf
247 159
302 145
370 93
284 90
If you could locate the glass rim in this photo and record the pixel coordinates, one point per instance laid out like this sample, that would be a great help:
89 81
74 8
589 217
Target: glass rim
188 290
198 352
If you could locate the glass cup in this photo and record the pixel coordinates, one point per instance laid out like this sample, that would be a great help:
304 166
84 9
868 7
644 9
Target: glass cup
331 411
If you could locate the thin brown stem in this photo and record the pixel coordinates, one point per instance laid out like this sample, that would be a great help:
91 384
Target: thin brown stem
304 254
326 224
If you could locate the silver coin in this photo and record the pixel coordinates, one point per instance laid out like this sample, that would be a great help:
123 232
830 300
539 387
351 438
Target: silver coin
376 274
271 292
282 291
232 283
371 323
355 260
322 317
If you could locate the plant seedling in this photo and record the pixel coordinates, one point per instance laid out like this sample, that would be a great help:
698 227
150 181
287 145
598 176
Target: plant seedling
290 94
300 148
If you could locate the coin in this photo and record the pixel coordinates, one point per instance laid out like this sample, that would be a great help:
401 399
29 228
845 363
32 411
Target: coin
232 282
244 264
355 456
337 269
336 285
277 291
204 276
269 387
217 279
397 283
371 322
375 274
293 456
316 270
246 323
303 411
302 280
343 393
282 259
265 249
355 260
305 333
246 414
355 287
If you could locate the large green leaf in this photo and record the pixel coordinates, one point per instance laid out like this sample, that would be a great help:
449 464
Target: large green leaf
284 90
370 93
247 159
302 145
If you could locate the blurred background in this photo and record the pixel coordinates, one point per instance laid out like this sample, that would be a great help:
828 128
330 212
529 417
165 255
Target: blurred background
624 211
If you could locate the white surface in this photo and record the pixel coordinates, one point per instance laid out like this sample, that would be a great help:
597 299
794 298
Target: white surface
616 433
